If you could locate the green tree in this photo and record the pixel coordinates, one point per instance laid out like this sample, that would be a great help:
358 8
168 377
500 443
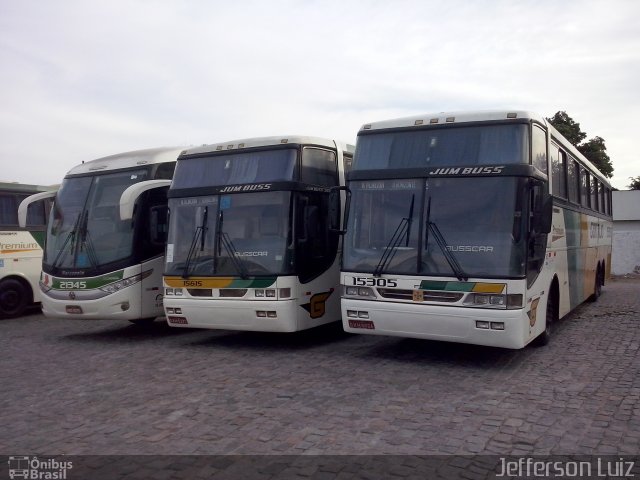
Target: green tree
594 149
568 127
635 183
596 152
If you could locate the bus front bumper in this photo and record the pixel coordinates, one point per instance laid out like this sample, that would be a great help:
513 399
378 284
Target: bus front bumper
505 328
122 305
257 316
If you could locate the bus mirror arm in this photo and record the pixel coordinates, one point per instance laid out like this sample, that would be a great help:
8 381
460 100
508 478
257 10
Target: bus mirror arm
547 215
334 209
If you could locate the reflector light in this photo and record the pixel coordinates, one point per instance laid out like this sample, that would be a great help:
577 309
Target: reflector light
433 120
419 122
497 325
285 292
512 115
451 119
352 313
367 127
363 314
482 324
261 313
272 314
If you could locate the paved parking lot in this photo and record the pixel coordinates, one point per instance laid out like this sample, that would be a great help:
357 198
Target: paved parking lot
78 388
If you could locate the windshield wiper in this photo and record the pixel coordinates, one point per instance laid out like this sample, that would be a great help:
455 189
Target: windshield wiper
85 241
225 241
71 236
199 234
448 255
403 229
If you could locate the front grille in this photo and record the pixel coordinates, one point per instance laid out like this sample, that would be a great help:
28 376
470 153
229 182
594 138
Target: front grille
200 292
233 292
429 295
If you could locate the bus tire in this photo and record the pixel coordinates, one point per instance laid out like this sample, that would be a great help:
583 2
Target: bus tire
550 321
14 298
597 288
143 321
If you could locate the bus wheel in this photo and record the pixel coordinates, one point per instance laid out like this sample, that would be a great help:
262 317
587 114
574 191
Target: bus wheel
550 321
13 298
597 288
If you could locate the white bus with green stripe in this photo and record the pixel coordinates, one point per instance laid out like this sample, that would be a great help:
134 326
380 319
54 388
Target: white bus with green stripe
106 237
249 243
20 247
472 227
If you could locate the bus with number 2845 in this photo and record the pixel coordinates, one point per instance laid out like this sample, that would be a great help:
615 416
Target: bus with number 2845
106 237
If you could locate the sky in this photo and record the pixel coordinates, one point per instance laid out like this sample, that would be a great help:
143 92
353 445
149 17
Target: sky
83 79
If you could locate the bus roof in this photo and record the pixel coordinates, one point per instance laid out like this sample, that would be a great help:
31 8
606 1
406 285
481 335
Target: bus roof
456 118
128 160
453 118
267 142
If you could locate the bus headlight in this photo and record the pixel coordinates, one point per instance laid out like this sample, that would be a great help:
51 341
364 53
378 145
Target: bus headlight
125 282
359 292
509 302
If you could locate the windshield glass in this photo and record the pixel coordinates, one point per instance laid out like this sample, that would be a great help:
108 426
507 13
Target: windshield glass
480 220
443 146
85 229
235 169
230 235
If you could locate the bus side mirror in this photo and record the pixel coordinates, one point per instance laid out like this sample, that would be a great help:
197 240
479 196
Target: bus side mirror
544 216
158 225
335 208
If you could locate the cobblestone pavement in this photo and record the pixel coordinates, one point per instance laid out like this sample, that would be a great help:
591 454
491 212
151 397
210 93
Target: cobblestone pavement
78 388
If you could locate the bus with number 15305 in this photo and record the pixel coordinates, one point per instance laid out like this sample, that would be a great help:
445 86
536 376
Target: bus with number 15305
472 227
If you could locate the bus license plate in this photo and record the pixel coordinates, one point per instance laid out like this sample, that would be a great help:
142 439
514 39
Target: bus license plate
74 309
366 324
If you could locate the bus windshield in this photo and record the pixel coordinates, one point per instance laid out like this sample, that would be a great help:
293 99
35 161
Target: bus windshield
85 230
230 235
449 146
438 226
236 168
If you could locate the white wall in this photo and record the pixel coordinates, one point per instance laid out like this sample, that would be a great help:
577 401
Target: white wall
625 257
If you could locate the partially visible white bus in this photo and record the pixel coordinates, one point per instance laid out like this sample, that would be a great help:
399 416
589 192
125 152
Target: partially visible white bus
106 238
472 227
21 247
249 243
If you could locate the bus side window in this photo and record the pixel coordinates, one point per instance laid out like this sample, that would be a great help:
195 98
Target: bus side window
539 149
558 172
319 167
8 210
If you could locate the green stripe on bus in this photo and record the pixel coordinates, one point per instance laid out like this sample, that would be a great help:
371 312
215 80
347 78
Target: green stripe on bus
447 286
86 283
